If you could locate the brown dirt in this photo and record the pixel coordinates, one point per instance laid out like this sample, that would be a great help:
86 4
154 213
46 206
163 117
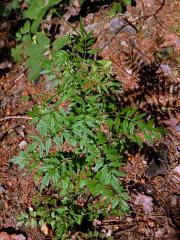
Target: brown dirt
156 91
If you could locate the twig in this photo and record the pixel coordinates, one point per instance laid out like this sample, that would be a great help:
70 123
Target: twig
15 117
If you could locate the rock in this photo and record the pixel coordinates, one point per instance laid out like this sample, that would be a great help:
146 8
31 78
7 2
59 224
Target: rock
158 161
2 190
178 128
1 207
18 237
20 130
46 230
109 233
6 236
91 27
119 25
174 200
166 69
11 135
160 233
176 173
156 168
50 84
145 202
171 122
22 145
149 189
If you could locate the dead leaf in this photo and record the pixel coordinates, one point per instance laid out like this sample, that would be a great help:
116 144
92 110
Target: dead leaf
45 229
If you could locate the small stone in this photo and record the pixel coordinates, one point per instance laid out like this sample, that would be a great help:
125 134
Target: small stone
145 163
129 219
96 222
20 130
109 233
145 201
174 200
129 71
178 128
116 24
4 236
2 43
156 168
22 145
119 25
1 207
166 69
50 84
2 190
176 173
149 189
91 27
18 237
160 233
45 229
123 43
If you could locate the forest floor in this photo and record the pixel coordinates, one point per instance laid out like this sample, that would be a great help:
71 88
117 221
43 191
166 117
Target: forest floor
150 36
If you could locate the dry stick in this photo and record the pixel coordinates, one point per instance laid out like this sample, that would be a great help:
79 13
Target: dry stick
15 117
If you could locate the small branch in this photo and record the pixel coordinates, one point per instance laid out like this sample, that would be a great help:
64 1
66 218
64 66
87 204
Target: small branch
15 117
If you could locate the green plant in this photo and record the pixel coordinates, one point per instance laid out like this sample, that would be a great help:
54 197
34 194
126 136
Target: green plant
33 43
6 8
118 7
81 136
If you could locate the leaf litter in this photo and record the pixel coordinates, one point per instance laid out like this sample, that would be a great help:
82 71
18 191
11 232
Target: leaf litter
133 56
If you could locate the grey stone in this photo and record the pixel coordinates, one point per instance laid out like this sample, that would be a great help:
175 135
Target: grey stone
178 128
1 205
155 169
22 145
119 25
91 27
2 190
166 69
49 84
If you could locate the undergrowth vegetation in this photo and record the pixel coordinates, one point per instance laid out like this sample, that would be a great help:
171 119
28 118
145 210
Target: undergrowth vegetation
81 131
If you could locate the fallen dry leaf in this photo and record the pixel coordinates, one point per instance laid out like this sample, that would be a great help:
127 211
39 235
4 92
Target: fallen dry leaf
45 229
